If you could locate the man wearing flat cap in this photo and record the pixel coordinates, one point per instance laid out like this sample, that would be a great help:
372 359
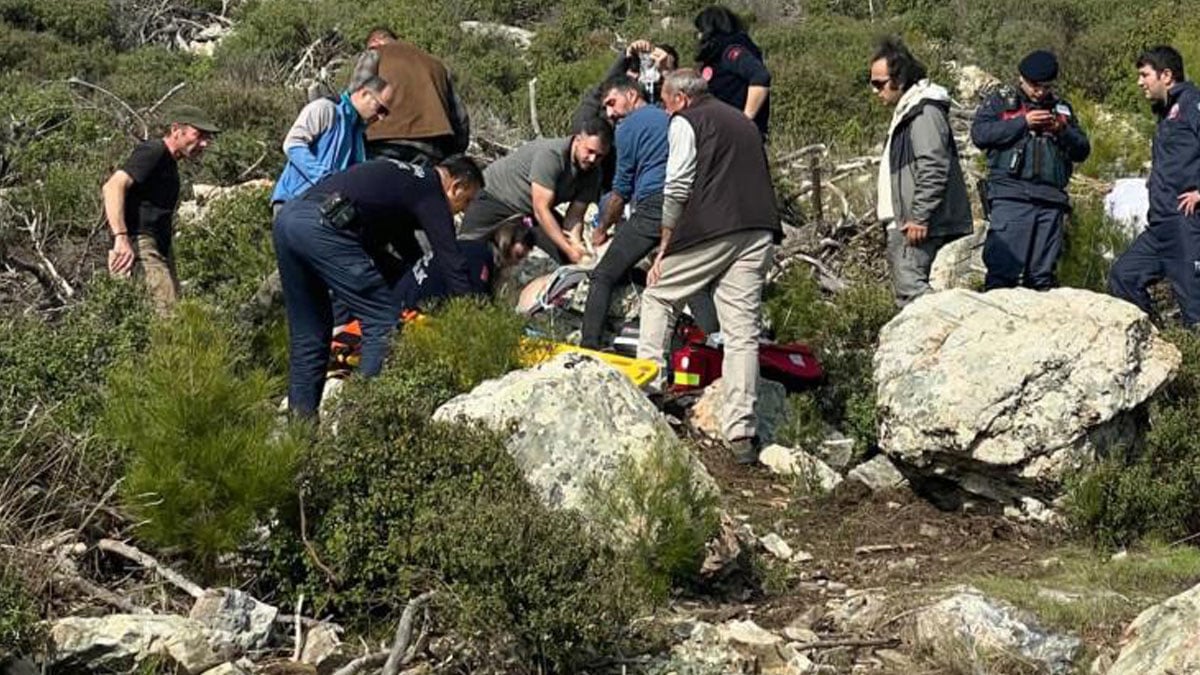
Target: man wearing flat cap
1033 140
140 200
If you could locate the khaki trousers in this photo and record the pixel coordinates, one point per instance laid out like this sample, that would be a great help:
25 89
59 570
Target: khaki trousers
735 268
158 271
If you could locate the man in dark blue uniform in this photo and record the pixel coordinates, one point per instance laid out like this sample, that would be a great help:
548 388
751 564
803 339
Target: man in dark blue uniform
334 238
1170 246
1032 139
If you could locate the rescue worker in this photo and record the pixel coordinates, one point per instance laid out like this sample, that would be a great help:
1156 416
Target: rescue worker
487 259
719 227
1033 140
922 200
1169 247
732 64
535 178
330 240
426 121
140 200
327 137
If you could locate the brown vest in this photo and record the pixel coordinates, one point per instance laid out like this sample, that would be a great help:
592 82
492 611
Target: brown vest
732 191
420 101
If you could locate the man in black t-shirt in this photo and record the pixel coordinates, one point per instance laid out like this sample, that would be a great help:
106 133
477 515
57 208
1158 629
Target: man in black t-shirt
336 237
140 200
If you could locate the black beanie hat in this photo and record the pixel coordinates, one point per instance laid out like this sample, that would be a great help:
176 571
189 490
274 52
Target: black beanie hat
1040 66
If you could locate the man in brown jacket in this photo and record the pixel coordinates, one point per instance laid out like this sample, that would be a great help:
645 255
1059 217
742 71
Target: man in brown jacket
426 121
719 228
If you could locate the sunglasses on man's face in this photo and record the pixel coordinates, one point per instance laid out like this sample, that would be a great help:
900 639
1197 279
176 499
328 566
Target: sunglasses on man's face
380 105
878 85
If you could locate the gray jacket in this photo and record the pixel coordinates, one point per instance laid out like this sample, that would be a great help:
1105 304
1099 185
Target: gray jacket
927 179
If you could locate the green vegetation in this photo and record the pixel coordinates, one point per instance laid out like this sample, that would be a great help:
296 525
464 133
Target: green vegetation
1079 592
206 461
476 340
1147 491
657 511
843 330
20 634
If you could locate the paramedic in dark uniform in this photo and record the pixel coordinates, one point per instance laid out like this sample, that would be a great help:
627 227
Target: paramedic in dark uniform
333 238
733 64
1170 246
1033 140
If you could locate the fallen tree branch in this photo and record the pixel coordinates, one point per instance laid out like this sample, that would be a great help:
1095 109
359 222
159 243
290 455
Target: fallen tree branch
848 642
299 631
171 92
883 548
533 113
148 561
362 663
400 644
308 622
308 546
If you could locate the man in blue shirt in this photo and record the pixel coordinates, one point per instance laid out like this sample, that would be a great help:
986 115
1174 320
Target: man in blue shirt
1170 245
641 146
327 137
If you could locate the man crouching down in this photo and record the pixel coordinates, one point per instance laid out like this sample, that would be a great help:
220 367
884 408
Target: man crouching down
719 229
334 238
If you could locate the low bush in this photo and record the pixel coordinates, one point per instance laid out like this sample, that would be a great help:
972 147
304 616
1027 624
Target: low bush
206 459
661 513
474 339
20 632
844 330
225 256
396 504
1091 243
1147 491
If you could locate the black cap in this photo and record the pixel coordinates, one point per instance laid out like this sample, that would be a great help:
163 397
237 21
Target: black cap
1040 66
195 117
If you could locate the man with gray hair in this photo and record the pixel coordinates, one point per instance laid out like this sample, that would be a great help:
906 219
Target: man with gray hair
329 136
719 229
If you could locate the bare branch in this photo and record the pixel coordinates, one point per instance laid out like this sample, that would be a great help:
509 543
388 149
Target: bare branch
533 113
148 561
118 99
171 92
404 633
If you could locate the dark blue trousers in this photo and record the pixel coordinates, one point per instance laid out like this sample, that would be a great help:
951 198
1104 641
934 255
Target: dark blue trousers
1023 244
1168 249
314 260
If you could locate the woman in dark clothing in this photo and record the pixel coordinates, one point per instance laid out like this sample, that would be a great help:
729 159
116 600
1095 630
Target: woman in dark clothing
732 64
486 259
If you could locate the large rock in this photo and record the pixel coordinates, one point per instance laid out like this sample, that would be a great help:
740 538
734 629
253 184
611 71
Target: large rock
771 408
120 641
1163 639
983 627
878 474
1005 392
960 263
246 620
570 419
812 472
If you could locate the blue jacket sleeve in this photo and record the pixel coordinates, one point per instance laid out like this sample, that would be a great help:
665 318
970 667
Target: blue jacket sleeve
747 66
623 179
989 132
305 162
433 215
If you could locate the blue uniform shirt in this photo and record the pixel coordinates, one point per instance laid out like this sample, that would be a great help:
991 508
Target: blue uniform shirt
641 153
1176 161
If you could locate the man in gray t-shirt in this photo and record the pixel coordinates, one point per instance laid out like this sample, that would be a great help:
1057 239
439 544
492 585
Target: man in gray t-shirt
535 178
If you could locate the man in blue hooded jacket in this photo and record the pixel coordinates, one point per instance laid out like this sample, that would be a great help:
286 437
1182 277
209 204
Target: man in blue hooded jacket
327 137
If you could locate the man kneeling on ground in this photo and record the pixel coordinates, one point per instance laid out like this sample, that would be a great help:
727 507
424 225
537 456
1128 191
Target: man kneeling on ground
333 238
538 176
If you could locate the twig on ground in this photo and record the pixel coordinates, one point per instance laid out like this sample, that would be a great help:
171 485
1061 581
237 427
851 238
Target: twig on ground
848 642
883 548
299 630
148 561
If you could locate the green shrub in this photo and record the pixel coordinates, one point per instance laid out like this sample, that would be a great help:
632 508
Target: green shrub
474 339
1092 243
661 513
206 459
396 504
225 256
804 426
73 20
1120 144
20 633
843 330
1148 491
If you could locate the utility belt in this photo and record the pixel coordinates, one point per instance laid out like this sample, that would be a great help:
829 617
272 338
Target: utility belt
1036 159
337 210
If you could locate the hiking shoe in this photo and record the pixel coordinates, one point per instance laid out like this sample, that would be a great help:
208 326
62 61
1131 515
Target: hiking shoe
745 450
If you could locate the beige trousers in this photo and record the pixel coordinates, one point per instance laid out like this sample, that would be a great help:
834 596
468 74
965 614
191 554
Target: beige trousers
735 268
158 271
